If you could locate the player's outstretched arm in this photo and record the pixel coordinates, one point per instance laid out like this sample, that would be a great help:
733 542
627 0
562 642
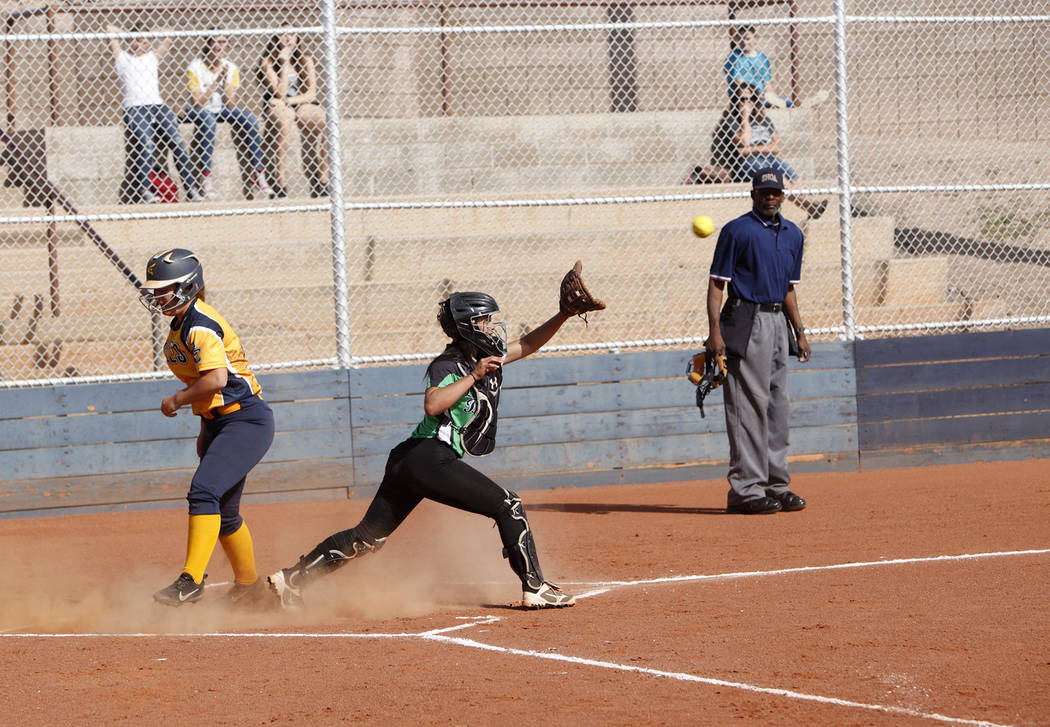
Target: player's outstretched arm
574 299
535 339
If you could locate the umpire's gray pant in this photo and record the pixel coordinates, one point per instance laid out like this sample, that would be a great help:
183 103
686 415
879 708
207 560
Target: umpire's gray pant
757 409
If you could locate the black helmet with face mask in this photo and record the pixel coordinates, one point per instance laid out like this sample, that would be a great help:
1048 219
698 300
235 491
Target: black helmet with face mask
461 317
177 267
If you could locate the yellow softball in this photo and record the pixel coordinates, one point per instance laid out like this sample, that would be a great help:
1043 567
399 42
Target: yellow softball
703 226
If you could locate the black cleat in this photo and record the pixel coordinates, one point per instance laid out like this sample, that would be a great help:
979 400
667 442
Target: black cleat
256 597
183 590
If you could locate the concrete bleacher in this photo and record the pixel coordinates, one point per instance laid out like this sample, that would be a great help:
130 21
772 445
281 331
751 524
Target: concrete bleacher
272 271
450 155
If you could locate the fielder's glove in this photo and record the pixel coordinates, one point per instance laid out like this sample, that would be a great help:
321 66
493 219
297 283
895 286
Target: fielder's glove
574 299
707 373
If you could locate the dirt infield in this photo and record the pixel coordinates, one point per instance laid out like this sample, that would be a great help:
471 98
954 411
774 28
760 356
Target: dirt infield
897 597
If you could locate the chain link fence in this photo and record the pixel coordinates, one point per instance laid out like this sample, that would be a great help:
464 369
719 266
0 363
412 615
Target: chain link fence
341 167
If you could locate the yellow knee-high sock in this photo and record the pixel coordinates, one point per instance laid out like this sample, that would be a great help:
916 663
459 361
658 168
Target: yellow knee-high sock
200 542
238 547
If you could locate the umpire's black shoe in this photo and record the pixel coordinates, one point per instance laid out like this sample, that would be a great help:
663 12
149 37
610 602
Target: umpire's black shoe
183 590
789 501
757 506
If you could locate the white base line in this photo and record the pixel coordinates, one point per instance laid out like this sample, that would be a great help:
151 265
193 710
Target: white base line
681 676
610 585
439 635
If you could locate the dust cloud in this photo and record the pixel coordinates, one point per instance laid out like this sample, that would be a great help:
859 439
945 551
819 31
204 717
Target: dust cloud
102 579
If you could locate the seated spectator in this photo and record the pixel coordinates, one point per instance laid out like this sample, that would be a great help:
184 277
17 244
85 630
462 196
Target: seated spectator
148 121
213 83
289 79
747 64
746 140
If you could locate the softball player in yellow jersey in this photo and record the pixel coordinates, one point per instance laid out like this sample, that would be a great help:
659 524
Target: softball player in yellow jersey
237 426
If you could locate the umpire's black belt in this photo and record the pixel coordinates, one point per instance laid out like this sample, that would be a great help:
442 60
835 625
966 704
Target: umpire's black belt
764 307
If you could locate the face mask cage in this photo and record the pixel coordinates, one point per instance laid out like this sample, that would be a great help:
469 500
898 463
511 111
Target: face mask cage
163 302
490 331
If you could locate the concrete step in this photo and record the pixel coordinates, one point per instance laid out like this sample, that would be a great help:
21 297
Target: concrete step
613 215
380 312
995 309
544 253
193 232
25 270
390 244
821 285
94 315
36 235
474 154
914 279
259 252
915 313
872 239
86 358
886 315
11 197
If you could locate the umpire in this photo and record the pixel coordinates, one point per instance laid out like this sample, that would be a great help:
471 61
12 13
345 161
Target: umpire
759 255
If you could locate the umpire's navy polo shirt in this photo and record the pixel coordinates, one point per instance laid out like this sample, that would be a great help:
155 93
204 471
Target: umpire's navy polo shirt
758 259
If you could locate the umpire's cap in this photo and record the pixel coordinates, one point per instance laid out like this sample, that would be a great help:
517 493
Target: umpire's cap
767 178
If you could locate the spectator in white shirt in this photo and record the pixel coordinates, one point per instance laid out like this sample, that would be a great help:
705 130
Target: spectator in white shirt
147 119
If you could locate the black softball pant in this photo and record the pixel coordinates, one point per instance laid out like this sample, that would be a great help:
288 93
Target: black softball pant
427 468
231 446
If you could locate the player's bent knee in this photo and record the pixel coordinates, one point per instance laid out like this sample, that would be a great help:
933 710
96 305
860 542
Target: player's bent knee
512 508
202 502
230 524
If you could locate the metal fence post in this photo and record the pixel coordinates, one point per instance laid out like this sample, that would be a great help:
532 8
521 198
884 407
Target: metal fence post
845 182
335 185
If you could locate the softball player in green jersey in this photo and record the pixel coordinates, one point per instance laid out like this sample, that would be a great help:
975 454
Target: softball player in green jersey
460 413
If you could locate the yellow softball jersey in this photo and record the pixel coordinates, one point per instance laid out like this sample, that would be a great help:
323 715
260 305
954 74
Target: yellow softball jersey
203 341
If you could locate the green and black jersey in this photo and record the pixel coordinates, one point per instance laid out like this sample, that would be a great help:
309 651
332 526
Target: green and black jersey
469 425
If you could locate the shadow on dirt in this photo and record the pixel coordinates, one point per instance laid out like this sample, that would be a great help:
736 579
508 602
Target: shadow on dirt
587 508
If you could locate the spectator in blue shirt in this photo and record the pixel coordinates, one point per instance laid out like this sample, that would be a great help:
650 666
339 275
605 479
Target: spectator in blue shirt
747 64
759 257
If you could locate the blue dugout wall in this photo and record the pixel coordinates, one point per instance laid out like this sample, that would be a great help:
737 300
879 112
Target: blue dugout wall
564 422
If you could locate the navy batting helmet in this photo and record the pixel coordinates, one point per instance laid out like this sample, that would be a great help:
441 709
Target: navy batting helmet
177 267
472 317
